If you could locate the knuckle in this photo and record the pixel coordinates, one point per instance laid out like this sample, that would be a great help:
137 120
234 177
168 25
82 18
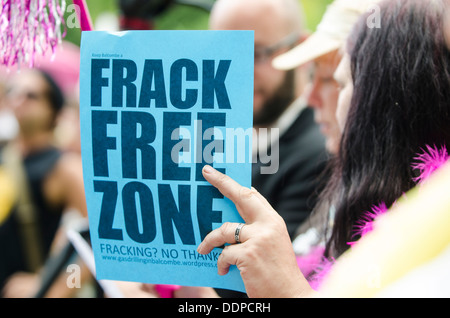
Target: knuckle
225 228
245 193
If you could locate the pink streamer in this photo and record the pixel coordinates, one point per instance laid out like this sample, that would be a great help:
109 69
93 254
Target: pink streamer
28 28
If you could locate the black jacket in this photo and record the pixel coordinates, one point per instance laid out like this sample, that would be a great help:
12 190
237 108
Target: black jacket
293 189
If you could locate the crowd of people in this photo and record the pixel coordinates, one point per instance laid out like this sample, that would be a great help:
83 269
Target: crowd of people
360 105
40 161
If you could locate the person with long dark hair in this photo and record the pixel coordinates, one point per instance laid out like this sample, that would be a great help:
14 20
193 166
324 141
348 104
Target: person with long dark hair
400 104
394 102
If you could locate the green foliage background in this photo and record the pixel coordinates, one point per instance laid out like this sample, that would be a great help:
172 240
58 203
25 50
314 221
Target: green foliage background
186 17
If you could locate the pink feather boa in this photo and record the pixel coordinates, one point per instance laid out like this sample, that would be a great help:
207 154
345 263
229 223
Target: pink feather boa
316 267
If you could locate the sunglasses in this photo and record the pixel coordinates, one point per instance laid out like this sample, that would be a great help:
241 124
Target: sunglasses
264 53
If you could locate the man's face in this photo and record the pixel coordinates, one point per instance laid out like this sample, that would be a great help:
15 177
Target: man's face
274 90
323 97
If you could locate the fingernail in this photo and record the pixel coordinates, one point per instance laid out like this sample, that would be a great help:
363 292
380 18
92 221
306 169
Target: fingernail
208 169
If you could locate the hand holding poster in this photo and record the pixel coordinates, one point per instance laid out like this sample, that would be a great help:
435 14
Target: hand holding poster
155 107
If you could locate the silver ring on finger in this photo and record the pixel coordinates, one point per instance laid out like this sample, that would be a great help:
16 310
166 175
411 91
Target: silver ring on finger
237 232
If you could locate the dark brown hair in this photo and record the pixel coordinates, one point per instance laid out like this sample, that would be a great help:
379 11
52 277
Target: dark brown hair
400 104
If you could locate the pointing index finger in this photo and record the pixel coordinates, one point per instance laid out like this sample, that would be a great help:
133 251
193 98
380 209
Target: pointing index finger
247 202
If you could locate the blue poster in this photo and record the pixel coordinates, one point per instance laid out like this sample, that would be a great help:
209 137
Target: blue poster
155 107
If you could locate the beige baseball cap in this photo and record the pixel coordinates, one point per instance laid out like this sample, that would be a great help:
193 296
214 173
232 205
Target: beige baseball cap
331 33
